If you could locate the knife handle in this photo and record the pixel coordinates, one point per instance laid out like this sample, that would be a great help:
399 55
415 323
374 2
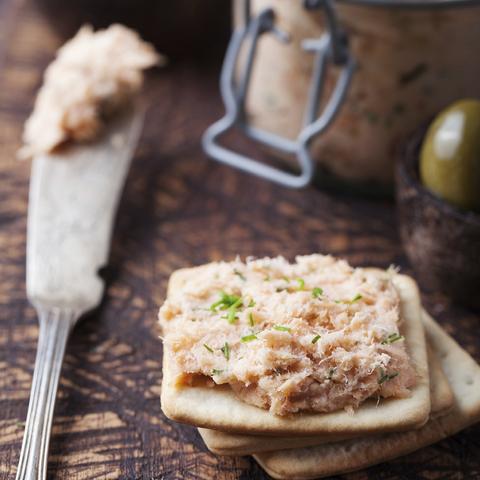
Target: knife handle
55 327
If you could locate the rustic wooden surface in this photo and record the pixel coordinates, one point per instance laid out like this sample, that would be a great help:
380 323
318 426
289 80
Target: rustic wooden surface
179 209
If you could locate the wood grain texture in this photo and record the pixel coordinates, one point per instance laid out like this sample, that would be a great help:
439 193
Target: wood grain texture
179 209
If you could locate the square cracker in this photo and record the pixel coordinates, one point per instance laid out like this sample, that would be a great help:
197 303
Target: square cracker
463 374
219 408
222 443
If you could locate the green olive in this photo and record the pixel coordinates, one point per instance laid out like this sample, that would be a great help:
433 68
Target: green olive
450 155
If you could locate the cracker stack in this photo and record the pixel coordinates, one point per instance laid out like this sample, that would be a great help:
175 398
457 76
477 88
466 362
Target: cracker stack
313 445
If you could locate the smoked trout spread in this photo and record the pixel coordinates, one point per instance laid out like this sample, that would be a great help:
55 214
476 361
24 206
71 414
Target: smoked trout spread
314 335
93 75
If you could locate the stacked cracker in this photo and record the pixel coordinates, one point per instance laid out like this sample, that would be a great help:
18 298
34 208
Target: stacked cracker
445 400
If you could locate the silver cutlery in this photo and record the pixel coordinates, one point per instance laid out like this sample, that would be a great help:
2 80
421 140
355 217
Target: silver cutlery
72 204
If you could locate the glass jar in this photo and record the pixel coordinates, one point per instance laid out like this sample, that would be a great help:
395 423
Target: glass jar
412 59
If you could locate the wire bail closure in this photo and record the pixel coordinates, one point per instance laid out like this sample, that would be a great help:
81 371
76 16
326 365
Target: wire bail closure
330 48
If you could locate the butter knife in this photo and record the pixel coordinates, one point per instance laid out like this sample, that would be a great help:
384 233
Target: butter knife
72 203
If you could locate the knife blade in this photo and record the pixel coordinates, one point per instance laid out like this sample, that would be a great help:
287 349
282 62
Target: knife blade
73 200
72 204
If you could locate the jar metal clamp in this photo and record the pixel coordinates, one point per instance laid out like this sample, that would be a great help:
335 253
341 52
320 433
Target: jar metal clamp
331 48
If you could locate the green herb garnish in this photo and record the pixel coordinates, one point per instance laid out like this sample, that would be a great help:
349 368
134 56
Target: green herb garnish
249 338
356 298
281 328
252 303
216 372
230 303
392 338
301 284
385 377
210 349
316 292
266 278
232 311
316 338
251 321
226 351
239 274
225 301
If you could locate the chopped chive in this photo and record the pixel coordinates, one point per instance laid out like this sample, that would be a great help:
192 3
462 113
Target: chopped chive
392 338
232 303
385 377
225 301
301 284
216 372
316 292
251 321
356 298
236 303
249 338
266 278
252 303
281 289
210 349
281 328
232 311
231 316
214 305
286 279
316 338
226 351
239 274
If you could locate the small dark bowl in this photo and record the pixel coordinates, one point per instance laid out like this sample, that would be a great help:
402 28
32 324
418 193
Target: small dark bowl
442 242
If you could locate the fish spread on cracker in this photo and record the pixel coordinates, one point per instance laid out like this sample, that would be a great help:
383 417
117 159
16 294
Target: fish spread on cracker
315 335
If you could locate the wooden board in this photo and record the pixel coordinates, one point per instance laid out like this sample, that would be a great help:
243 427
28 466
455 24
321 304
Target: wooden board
179 209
